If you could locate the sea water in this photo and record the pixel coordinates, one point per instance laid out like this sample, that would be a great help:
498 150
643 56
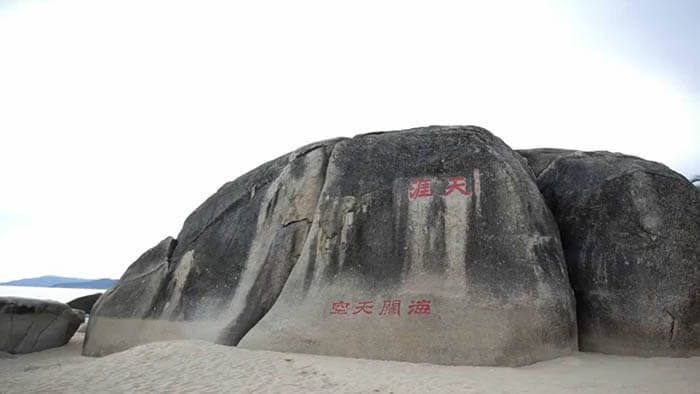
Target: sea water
46 293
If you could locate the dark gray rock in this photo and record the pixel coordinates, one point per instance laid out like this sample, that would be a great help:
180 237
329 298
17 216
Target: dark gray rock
540 159
231 259
631 235
490 262
335 222
131 299
84 303
29 325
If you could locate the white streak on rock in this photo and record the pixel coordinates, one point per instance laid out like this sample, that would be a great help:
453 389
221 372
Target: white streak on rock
456 228
293 199
179 276
418 237
477 191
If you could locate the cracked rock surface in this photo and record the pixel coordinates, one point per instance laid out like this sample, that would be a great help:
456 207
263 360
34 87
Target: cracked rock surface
630 229
28 325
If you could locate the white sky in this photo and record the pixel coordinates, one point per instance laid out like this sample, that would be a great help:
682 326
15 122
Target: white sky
118 118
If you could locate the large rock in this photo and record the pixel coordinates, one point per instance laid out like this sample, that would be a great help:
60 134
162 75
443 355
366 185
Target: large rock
130 301
84 303
29 325
363 226
631 235
486 257
228 265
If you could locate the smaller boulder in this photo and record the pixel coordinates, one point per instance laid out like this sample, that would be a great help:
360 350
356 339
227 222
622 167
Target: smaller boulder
630 229
81 313
85 303
28 325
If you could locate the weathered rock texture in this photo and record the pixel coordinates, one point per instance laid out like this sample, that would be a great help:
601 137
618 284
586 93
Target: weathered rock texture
131 300
29 325
489 262
342 221
631 234
232 257
84 303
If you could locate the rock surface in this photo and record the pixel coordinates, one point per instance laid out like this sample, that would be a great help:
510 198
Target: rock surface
131 300
29 325
476 276
228 265
485 256
539 159
631 234
84 303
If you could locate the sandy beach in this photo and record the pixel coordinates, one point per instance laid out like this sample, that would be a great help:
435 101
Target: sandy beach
197 366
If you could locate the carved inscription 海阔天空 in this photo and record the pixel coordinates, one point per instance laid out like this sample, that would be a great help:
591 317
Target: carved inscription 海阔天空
389 308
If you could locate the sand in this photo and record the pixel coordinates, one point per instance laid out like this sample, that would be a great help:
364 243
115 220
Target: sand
198 366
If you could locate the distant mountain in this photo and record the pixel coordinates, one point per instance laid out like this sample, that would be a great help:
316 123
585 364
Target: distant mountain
88 284
62 281
43 281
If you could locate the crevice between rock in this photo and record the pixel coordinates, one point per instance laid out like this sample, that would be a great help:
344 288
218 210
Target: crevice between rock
306 237
289 223
672 329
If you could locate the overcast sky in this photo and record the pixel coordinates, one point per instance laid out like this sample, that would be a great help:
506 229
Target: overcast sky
118 118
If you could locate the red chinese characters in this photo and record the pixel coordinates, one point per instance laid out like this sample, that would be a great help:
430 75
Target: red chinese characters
458 184
389 308
363 306
419 188
339 308
420 307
